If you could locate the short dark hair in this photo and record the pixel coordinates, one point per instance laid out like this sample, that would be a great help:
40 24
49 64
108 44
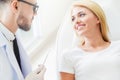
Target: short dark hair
3 1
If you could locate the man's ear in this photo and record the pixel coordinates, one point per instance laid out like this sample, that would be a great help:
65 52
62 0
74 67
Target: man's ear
14 6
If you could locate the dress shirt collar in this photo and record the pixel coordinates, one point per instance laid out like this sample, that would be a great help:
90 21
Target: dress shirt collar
7 33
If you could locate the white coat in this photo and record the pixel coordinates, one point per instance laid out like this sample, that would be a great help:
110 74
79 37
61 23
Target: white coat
9 69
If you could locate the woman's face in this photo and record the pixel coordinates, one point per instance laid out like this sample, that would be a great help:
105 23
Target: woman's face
84 21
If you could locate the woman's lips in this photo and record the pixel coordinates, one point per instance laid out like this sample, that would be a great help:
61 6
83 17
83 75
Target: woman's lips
79 26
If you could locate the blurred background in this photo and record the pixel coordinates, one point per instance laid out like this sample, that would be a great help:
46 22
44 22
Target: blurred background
50 34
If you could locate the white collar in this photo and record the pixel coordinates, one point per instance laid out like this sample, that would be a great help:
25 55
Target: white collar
7 33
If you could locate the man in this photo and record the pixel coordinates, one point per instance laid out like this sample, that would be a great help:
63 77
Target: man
16 14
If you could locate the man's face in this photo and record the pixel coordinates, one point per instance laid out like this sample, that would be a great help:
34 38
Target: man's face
27 13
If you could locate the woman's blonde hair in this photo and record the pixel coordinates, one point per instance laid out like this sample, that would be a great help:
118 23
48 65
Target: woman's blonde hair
97 10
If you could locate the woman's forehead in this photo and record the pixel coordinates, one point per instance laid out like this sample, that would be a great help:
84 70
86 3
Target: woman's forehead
79 9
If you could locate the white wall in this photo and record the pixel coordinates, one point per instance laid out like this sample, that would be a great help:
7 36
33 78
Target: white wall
112 11
52 13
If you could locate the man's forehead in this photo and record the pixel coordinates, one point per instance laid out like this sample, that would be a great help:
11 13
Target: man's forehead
32 1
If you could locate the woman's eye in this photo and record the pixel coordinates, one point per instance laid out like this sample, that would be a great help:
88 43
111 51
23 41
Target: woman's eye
73 18
81 15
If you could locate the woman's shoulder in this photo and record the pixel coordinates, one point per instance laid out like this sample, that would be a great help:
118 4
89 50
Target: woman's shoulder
72 51
117 42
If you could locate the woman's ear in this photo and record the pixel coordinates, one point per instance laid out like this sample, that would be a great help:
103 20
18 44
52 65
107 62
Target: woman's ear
98 21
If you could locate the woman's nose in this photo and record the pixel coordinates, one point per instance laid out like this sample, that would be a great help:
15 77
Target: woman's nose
78 19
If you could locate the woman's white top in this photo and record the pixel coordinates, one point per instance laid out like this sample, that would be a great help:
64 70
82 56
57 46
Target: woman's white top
101 65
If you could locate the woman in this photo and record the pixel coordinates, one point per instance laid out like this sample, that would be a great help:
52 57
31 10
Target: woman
95 57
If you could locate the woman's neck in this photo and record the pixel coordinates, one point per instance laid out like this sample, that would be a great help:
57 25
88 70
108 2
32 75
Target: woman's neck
93 45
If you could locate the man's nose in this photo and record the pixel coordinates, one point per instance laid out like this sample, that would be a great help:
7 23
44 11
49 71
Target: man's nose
35 13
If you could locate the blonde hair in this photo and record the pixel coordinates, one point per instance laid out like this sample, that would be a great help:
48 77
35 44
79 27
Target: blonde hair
97 10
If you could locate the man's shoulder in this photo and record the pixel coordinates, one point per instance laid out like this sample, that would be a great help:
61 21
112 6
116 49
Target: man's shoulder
2 39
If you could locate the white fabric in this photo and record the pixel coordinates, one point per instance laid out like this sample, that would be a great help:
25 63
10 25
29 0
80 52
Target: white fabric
102 65
9 68
25 61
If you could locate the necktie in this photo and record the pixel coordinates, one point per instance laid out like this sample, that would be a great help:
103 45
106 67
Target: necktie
16 51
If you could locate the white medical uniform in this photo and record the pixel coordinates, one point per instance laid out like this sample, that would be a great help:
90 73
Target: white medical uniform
9 68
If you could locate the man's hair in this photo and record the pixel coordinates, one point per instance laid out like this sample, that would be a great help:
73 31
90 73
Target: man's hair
4 1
